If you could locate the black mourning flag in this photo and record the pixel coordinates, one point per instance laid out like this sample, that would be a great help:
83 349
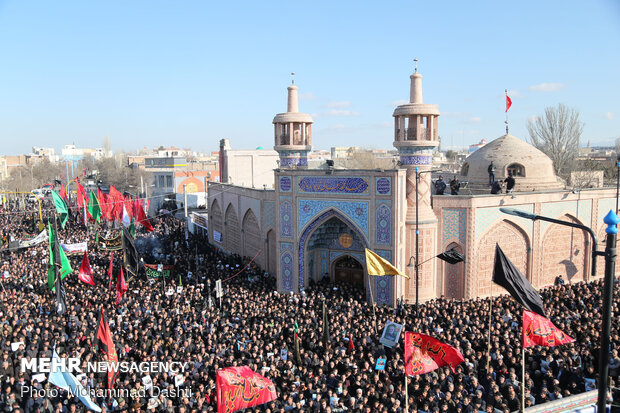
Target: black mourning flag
130 252
509 277
451 256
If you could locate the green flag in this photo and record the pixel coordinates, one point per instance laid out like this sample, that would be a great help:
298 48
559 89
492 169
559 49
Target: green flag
132 229
94 209
64 261
61 208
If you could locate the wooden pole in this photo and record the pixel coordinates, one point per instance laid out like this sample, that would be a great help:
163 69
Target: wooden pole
489 338
522 377
372 303
406 394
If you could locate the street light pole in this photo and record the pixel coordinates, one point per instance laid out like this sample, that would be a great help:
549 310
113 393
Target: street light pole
617 183
417 233
612 221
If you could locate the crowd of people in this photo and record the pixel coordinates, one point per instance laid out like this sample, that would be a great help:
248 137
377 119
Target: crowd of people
256 323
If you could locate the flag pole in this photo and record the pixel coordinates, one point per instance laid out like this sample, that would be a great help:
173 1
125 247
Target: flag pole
490 321
372 303
406 392
506 91
522 376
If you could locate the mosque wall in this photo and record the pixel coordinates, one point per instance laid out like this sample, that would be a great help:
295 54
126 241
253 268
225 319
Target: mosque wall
539 249
368 202
243 221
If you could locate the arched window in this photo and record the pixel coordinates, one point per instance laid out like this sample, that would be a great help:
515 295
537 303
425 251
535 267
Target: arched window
515 169
465 169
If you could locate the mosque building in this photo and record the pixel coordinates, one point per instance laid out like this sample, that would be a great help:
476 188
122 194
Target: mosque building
316 222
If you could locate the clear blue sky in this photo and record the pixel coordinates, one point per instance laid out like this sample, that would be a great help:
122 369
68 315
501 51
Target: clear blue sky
188 73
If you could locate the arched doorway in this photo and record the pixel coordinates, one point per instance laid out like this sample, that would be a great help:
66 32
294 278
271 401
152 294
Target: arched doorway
323 242
232 237
252 241
348 269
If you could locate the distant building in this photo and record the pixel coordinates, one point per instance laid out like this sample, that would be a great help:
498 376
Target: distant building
48 153
4 172
163 170
73 153
248 168
474 147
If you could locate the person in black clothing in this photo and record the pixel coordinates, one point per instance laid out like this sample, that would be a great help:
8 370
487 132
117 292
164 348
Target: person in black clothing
496 188
440 186
491 170
510 183
455 185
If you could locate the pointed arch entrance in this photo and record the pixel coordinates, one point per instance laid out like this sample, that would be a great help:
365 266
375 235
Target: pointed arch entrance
348 269
324 241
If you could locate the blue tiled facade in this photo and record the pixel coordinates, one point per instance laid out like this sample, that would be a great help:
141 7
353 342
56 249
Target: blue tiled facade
357 212
334 185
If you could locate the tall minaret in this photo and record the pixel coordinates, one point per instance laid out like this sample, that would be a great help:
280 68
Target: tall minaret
415 137
293 133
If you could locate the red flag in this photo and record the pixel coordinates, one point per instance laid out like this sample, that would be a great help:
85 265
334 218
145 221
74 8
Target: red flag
508 102
540 331
63 194
239 388
351 346
117 200
106 346
424 353
85 274
129 207
143 219
101 200
110 268
121 287
82 200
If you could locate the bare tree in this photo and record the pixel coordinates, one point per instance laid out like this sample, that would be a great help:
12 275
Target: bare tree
557 134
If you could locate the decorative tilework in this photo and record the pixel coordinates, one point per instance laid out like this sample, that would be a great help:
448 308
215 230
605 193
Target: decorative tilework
356 245
416 160
286 246
324 263
384 185
286 219
383 225
342 185
487 217
387 254
286 162
581 209
355 211
285 184
453 223
383 289
357 255
286 266
269 215
383 285
310 228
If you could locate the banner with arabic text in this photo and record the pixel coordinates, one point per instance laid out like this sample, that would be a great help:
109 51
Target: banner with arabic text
75 248
424 354
110 244
34 241
158 270
239 388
